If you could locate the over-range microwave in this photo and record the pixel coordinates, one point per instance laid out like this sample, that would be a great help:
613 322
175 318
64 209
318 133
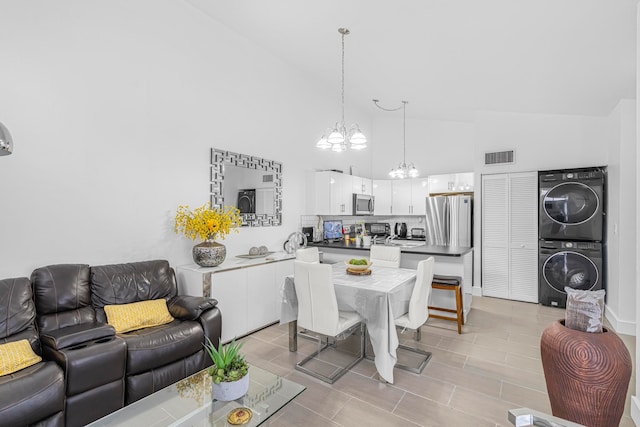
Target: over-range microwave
362 204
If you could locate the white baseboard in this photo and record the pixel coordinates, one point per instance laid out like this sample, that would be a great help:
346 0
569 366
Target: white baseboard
476 291
620 326
635 410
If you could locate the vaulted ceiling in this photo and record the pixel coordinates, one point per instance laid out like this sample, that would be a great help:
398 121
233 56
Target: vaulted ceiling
450 58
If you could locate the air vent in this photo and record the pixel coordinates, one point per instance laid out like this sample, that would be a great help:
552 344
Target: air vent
267 178
499 157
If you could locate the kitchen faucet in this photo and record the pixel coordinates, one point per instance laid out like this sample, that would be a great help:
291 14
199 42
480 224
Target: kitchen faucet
389 239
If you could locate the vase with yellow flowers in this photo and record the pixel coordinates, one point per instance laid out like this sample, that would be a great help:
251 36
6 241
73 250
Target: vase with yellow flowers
208 224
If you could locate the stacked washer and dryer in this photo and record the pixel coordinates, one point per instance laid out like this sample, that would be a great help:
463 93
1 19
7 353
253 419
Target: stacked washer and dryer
571 232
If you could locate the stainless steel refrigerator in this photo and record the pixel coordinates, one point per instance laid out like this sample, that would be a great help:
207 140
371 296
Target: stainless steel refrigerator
449 221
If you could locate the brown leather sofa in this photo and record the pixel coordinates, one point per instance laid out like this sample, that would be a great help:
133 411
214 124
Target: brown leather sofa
33 395
92 371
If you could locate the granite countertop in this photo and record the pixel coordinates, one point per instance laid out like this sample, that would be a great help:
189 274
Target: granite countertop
453 251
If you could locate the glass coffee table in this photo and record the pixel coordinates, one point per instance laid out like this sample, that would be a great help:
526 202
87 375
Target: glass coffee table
189 403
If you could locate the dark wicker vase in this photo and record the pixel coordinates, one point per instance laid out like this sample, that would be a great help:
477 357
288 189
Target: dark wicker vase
587 374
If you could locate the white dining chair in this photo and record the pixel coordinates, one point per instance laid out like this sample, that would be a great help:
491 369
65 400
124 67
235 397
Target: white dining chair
385 256
308 255
318 313
418 312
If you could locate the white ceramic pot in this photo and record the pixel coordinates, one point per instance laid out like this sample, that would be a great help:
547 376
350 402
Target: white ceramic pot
227 391
366 241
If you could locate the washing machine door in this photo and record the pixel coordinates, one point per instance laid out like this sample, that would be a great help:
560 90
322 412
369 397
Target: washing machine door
246 202
571 203
570 269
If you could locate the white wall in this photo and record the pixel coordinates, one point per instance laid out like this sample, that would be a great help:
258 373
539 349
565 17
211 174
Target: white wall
621 227
435 147
114 106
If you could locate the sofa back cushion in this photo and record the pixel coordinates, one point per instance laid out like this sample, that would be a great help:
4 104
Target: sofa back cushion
131 282
62 294
17 312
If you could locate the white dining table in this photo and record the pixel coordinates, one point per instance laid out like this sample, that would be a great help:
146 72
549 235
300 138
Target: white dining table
379 298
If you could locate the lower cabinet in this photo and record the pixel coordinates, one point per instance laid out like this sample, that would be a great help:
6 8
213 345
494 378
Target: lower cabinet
249 298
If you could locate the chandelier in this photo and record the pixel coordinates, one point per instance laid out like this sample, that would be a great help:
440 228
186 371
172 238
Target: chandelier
339 135
403 170
6 142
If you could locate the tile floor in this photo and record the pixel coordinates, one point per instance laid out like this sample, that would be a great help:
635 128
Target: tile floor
472 380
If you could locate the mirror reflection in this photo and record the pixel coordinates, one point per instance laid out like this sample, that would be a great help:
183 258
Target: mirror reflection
252 184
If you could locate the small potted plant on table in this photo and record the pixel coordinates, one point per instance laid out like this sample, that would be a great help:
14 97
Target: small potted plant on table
230 372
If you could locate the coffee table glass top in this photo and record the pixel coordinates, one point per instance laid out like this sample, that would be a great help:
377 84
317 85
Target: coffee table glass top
189 403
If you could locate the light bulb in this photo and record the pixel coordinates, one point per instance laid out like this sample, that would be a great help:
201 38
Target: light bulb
323 143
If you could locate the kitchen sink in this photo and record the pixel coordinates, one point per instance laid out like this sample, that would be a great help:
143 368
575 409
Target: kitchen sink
404 244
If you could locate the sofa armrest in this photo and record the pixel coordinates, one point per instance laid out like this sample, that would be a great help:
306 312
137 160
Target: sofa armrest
211 321
186 307
77 334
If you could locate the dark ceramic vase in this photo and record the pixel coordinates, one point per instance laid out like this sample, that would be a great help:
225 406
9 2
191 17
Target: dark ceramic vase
209 253
587 374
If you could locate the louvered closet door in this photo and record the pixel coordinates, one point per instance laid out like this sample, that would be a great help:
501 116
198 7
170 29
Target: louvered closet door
495 236
523 227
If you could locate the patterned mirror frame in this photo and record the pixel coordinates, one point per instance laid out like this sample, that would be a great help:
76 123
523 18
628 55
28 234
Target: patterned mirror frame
218 160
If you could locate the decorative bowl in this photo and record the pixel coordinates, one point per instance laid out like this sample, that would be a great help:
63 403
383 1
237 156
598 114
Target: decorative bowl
357 267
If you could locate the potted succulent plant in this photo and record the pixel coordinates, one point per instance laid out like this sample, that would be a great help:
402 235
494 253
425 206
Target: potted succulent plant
230 372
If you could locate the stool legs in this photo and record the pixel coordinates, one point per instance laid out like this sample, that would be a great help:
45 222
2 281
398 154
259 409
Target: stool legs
459 311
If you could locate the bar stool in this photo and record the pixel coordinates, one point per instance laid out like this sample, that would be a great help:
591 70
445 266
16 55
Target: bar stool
449 283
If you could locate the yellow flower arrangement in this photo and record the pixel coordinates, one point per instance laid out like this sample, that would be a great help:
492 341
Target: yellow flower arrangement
206 222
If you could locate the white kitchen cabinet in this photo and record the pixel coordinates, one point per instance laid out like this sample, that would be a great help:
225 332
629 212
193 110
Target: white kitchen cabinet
248 297
510 236
382 193
419 194
401 200
361 185
331 193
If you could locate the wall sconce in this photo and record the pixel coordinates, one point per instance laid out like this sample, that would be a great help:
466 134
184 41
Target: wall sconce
6 142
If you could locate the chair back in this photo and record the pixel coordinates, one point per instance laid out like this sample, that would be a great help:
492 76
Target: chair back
18 313
317 303
308 255
418 305
385 256
62 294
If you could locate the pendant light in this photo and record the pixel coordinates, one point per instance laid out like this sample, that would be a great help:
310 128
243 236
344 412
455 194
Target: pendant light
403 170
338 135
6 142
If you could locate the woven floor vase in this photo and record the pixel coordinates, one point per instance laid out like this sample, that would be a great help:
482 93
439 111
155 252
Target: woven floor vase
587 374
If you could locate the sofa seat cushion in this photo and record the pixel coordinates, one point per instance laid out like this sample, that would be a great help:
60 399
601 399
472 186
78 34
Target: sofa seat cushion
31 394
138 315
16 355
150 348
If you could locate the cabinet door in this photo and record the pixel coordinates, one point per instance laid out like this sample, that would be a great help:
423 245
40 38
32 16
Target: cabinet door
419 194
230 289
495 236
345 194
523 236
382 196
401 199
261 296
361 185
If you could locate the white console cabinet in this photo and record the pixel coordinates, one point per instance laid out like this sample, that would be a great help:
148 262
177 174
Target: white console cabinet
248 295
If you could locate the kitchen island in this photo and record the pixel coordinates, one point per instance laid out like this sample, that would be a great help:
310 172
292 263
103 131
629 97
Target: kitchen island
449 261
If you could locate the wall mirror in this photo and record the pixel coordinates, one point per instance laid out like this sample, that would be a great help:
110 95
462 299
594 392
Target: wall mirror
252 184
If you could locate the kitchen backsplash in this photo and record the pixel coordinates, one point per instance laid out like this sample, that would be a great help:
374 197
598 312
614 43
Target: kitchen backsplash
350 223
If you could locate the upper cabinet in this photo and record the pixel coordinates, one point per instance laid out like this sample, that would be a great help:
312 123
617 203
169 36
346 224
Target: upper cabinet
362 185
451 183
382 193
401 197
330 193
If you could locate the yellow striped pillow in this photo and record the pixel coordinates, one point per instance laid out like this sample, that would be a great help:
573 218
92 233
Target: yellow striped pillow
16 355
138 315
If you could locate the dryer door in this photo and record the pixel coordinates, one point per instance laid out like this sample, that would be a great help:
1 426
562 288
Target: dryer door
571 203
570 269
